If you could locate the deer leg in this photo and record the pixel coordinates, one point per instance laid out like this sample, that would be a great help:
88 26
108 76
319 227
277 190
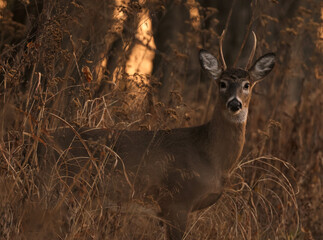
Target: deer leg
176 219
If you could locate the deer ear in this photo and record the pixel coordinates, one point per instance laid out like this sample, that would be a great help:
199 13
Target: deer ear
263 66
210 63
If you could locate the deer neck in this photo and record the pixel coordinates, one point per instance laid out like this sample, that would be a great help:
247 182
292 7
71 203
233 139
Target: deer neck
226 139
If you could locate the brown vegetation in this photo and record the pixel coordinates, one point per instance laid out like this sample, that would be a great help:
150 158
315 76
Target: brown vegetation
64 63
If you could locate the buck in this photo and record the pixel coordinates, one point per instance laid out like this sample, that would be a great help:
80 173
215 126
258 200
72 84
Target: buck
182 169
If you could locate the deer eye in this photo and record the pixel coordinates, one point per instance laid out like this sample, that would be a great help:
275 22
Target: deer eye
223 85
246 85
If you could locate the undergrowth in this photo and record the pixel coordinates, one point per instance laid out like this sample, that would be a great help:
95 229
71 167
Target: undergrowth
65 68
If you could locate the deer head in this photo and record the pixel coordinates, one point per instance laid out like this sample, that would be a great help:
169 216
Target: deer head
235 84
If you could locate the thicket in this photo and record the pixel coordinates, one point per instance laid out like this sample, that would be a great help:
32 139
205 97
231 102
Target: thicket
64 63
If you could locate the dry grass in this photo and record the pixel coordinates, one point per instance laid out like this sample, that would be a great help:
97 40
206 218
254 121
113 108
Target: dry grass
53 77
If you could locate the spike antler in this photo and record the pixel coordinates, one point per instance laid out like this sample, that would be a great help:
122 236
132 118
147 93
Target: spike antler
253 51
221 51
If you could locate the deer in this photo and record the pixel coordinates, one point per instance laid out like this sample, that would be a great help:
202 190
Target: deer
182 169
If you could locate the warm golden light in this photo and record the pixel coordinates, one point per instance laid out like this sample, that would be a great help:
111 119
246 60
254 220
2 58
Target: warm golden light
3 4
140 60
194 14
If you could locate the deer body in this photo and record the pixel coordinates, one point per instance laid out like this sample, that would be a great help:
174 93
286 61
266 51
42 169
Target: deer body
183 169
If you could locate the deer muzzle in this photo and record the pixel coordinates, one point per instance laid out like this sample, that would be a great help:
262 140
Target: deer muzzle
234 105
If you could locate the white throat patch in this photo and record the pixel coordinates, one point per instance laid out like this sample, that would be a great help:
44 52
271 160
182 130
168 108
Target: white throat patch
240 117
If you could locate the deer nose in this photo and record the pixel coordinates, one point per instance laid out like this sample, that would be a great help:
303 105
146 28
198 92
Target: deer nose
234 105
